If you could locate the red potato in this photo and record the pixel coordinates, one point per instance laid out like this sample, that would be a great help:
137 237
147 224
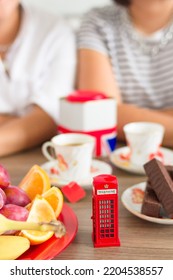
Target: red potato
4 177
17 196
2 198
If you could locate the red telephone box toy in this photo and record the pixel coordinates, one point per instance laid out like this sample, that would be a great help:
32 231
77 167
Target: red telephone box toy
105 211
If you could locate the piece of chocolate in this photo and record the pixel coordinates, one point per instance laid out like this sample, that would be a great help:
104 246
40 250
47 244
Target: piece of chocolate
169 168
151 206
161 183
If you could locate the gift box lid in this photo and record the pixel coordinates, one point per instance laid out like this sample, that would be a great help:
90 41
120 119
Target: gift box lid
84 96
87 111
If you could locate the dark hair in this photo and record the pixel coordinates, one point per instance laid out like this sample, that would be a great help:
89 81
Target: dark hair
123 2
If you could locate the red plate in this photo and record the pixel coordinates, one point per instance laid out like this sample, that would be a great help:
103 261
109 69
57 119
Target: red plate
54 246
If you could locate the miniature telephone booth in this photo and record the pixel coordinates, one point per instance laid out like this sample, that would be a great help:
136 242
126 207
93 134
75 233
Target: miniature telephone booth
105 211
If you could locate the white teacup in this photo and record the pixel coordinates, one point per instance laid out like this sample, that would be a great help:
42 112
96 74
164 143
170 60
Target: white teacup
73 154
144 140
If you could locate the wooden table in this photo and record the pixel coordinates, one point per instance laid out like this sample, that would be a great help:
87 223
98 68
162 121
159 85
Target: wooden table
140 239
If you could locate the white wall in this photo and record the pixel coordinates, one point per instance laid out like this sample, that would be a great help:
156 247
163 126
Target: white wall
68 7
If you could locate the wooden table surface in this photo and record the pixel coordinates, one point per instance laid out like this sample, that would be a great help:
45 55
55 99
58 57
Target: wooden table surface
140 239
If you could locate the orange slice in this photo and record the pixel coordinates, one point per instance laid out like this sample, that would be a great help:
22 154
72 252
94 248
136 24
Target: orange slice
41 211
36 181
55 198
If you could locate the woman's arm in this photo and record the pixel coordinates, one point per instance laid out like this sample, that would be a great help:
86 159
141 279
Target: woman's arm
5 118
95 73
25 132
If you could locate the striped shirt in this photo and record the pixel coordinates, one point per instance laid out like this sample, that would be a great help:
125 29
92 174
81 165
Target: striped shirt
145 78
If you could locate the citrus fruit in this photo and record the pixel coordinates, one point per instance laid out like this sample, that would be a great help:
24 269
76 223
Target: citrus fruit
41 211
36 181
55 198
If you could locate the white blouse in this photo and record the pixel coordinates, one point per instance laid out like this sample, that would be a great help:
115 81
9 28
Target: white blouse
39 66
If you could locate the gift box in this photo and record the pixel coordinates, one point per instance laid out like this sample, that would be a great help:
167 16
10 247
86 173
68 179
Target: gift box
91 113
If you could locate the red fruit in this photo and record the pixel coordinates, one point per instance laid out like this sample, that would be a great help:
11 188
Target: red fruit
2 198
14 212
16 195
4 177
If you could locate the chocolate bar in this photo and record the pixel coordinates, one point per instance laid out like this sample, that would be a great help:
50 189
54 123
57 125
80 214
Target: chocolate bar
169 168
151 206
161 183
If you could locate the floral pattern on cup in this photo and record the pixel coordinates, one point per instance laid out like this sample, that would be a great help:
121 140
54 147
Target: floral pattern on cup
159 155
62 164
137 195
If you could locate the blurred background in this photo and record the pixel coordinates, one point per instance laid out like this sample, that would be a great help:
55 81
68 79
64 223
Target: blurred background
72 10
68 7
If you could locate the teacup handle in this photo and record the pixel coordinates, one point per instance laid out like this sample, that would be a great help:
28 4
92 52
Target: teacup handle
45 151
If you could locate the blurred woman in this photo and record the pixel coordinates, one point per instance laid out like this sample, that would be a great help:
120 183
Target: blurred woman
37 65
126 51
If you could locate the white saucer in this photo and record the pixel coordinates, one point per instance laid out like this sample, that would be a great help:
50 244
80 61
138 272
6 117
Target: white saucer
98 167
135 208
125 164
